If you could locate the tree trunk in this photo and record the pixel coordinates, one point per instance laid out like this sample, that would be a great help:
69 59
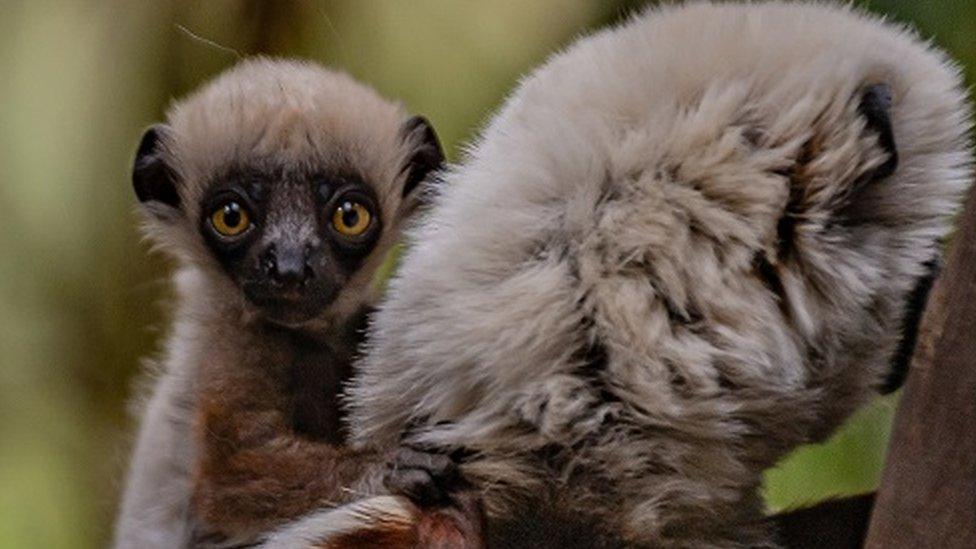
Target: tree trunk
928 490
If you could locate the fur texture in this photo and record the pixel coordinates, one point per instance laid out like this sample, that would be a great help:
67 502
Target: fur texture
391 518
675 254
385 521
242 431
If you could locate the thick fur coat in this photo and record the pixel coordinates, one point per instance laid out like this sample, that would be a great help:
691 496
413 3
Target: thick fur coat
676 253
217 447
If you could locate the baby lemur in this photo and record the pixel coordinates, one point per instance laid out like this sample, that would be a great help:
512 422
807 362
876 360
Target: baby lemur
279 187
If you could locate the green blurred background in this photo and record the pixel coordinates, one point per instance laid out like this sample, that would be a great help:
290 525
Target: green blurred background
80 297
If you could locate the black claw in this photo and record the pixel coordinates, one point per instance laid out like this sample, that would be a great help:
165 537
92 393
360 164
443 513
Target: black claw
876 108
417 485
427 477
913 316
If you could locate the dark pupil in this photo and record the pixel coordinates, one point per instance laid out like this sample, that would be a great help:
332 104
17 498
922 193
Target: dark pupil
232 214
350 216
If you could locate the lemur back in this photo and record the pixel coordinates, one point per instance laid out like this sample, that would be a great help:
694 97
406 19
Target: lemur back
683 247
278 187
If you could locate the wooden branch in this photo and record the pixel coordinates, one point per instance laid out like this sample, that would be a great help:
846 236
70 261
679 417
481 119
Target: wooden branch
928 490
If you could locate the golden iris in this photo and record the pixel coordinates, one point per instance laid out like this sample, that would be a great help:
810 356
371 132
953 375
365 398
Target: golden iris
231 219
351 218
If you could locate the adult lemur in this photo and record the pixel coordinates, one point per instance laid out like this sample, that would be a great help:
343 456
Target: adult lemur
683 247
279 187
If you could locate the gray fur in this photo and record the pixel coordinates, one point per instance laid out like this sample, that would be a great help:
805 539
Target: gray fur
582 309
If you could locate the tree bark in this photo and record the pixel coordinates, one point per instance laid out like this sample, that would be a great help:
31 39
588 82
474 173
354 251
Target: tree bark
928 490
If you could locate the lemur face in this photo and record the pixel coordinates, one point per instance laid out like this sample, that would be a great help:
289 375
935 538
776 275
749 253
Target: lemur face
290 241
284 184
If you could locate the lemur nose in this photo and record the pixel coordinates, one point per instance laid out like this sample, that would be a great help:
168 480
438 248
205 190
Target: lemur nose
287 267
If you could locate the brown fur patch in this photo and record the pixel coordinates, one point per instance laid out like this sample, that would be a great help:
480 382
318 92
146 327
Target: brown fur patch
254 470
458 526
391 535
455 527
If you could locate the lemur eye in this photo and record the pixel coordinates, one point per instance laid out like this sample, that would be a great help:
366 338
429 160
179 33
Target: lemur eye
230 219
351 218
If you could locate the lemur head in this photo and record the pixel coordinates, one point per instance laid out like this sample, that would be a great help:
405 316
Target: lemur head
285 183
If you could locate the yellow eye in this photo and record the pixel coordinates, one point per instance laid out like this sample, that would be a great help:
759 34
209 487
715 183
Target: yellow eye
231 219
351 218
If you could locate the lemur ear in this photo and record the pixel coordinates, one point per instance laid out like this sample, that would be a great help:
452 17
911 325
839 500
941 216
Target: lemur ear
427 154
152 179
876 108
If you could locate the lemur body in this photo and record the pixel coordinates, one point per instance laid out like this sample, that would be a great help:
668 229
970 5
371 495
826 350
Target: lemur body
279 188
682 248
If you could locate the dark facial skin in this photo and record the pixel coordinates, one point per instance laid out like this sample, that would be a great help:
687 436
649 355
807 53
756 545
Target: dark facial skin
289 241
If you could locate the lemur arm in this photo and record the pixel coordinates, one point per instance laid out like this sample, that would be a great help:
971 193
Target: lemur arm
256 473
436 509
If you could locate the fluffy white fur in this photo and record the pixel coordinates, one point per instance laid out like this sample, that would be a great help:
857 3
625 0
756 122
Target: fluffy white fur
583 308
383 512
290 113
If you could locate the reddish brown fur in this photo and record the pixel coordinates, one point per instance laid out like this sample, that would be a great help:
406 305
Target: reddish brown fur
255 470
460 526
391 535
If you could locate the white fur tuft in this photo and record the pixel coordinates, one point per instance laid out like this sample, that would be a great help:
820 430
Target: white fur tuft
380 512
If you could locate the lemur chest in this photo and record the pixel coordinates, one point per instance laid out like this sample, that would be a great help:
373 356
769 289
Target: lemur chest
315 383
